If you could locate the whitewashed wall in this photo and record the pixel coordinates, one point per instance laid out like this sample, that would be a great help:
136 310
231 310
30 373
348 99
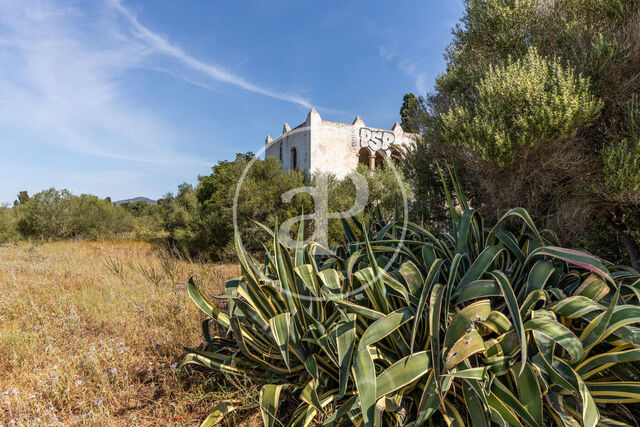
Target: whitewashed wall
332 147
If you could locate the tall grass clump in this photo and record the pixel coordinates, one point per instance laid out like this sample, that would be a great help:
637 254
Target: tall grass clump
476 326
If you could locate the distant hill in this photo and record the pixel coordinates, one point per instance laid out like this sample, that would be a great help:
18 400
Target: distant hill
137 199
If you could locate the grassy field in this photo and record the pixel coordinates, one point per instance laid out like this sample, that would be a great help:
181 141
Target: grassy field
91 334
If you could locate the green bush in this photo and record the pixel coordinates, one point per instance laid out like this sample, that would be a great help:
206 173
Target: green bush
519 104
8 230
480 326
622 169
209 231
58 214
95 218
387 190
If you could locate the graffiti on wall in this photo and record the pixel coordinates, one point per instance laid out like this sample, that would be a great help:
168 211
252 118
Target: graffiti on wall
376 139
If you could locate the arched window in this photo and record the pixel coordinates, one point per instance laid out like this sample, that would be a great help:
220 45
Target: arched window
380 159
363 156
280 151
294 158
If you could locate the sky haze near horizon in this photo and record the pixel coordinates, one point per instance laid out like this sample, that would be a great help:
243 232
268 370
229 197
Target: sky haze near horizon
127 98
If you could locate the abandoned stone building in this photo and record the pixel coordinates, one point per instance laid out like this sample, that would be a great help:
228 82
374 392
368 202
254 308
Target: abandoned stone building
322 146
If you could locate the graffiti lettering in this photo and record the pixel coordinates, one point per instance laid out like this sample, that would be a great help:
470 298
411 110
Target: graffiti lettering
376 139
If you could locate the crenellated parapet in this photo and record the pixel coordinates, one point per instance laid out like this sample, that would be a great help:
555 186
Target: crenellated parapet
318 145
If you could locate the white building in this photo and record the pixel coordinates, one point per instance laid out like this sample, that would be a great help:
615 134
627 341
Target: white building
330 147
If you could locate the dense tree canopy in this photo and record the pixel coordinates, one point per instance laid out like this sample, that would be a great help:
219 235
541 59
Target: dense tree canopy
538 107
410 114
259 199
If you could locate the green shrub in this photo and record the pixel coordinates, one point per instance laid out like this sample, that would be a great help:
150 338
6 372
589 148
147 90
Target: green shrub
57 214
480 326
8 230
518 104
95 218
622 169
210 231
387 190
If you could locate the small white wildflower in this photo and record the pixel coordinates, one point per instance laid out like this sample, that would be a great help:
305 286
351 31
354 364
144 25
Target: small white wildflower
10 390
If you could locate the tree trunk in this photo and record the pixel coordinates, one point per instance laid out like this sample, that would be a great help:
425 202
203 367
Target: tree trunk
633 251
631 247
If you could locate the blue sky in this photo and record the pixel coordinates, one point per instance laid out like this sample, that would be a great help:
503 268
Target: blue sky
127 98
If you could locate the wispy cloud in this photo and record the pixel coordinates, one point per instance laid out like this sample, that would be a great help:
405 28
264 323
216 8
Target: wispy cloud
419 70
63 82
162 45
65 79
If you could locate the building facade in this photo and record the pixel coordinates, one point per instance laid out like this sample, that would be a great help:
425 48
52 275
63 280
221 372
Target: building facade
322 146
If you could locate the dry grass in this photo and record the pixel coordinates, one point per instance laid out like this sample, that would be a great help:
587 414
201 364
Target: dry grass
91 334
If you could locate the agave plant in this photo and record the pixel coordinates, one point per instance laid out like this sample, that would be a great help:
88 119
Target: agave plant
479 326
